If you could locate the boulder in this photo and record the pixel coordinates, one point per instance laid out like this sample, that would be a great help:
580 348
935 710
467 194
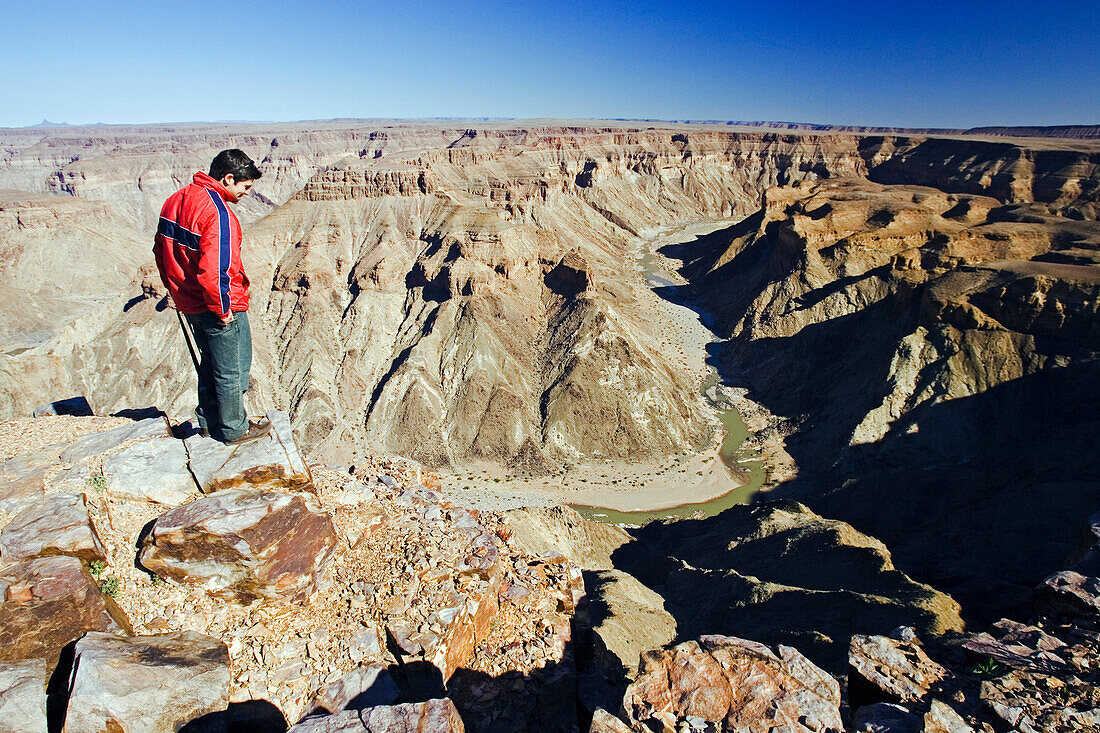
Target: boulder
605 722
432 716
49 603
154 470
146 684
882 669
242 543
59 524
884 717
271 462
345 722
742 684
360 688
23 696
940 718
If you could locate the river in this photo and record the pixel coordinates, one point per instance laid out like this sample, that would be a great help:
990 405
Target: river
744 466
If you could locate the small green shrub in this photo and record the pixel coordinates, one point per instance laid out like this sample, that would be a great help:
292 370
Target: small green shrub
110 587
96 567
98 482
988 669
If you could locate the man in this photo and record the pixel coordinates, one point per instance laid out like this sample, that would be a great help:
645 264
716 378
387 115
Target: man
198 251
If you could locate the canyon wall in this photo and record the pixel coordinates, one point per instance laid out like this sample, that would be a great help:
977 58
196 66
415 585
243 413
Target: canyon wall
462 294
931 355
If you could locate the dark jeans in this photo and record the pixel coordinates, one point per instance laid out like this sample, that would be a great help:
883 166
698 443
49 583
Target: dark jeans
225 359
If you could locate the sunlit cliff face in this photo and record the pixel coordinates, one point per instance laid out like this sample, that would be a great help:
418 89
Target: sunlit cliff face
456 295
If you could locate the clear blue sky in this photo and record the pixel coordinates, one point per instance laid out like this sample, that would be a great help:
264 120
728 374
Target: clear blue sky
919 64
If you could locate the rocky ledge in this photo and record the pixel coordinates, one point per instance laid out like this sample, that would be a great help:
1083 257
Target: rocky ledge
271 592
315 598
1038 677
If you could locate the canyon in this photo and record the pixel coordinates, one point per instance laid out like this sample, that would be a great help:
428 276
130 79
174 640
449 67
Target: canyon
906 321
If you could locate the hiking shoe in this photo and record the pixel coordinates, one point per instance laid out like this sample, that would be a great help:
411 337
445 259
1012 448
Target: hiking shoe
255 430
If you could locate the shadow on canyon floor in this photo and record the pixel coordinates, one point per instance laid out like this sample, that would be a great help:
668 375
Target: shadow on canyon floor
980 496
807 594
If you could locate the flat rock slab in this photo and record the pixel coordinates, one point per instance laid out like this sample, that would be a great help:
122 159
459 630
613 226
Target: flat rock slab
940 718
272 461
243 543
882 669
23 696
146 684
99 443
154 469
741 684
59 524
49 603
884 717
23 480
431 716
360 688
1072 593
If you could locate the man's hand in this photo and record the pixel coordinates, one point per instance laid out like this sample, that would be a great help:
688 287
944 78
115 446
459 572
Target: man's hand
226 319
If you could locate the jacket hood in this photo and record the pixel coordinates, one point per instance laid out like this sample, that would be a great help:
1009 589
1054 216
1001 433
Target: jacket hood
206 181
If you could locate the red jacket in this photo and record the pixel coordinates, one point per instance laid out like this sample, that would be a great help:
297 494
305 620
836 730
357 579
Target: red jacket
198 249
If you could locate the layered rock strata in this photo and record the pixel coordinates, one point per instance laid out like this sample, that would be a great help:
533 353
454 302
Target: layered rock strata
407 271
926 351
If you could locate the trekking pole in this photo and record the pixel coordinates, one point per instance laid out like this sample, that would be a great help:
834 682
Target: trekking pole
190 339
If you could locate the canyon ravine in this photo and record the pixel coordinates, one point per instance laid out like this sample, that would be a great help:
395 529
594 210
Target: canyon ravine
907 324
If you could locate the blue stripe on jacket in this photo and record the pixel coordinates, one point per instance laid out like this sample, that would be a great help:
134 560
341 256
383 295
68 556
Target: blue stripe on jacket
172 230
225 248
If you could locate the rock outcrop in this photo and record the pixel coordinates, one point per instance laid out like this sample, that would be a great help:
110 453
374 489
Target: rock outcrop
370 589
780 573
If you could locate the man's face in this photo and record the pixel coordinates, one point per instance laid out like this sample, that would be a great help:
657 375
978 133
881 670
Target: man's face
237 189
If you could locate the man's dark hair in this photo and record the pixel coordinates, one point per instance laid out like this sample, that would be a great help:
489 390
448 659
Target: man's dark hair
236 163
